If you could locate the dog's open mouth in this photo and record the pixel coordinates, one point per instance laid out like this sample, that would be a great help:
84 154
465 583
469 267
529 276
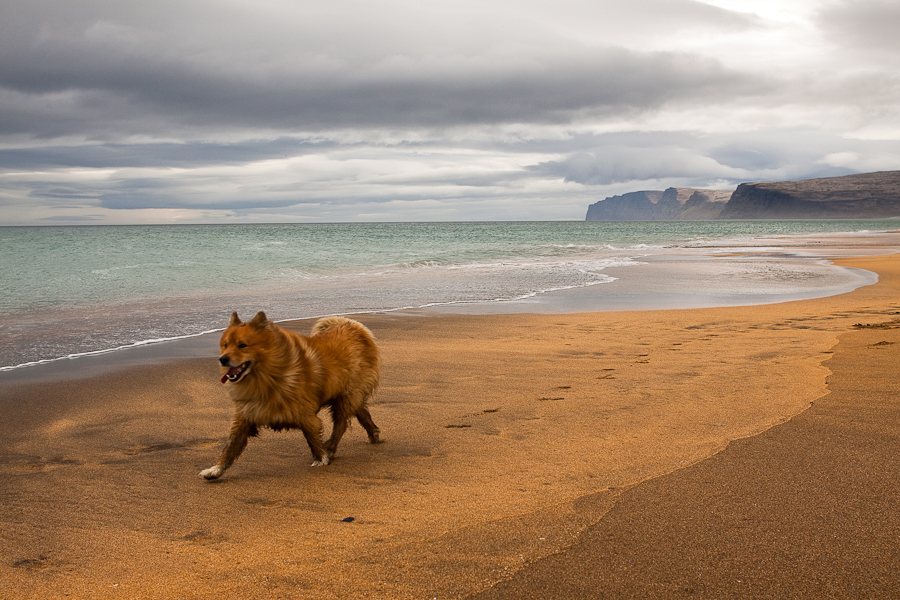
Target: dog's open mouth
234 374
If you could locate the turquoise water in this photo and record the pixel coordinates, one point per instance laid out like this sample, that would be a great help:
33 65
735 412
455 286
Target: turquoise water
73 290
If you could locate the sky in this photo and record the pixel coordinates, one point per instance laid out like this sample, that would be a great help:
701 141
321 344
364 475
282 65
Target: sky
240 111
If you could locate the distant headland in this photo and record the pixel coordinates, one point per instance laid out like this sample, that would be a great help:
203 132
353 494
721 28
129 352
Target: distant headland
864 196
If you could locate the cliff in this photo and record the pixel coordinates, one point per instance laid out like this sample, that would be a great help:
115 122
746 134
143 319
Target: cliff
674 204
865 196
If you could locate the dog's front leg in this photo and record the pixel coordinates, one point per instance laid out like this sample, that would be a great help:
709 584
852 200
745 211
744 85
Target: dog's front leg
241 431
312 431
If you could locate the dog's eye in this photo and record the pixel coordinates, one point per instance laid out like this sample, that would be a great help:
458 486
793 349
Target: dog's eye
242 345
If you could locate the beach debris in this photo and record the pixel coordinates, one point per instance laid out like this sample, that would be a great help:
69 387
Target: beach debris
348 519
886 325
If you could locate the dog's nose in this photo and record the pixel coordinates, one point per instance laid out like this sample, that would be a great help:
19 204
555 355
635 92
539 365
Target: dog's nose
224 360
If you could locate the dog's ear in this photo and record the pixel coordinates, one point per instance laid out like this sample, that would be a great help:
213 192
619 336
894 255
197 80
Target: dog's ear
235 320
260 321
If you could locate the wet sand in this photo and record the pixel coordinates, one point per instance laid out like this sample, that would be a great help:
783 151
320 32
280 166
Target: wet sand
743 451
806 509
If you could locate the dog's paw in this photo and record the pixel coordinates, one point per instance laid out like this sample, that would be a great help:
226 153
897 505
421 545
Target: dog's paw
321 462
212 472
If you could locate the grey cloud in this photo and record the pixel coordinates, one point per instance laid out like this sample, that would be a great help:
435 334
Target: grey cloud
140 99
624 157
66 192
140 198
871 25
611 165
183 155
729 158
654 16
135 193
117 71
771 151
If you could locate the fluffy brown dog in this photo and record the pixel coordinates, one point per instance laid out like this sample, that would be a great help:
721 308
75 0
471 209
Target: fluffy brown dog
281 379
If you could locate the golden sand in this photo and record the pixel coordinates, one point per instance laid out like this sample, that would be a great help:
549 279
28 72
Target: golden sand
496 428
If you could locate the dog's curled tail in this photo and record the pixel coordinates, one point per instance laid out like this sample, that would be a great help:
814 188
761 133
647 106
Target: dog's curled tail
326 323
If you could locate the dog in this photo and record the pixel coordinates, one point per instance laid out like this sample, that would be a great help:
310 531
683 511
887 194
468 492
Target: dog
281 379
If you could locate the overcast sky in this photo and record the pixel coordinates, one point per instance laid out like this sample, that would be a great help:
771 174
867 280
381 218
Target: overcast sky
235 111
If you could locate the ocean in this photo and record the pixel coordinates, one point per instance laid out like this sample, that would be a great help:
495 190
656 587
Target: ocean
67 292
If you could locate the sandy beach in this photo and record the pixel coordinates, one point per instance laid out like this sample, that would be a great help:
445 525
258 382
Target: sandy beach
717 452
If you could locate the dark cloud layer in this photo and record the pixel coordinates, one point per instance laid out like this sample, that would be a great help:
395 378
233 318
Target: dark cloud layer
56 92
108 69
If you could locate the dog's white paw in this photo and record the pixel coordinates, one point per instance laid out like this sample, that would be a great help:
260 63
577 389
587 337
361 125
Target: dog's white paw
321 463
212 472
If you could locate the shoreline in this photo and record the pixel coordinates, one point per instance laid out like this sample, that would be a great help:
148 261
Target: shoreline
508 437
664 281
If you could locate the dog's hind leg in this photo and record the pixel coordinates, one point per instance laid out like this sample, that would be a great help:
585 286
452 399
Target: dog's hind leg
340 419
365 419
312 431
241 431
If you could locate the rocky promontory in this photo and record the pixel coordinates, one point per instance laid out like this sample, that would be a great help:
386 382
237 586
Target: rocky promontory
673 204
864 196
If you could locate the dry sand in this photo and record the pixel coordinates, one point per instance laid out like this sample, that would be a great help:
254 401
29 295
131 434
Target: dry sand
516 447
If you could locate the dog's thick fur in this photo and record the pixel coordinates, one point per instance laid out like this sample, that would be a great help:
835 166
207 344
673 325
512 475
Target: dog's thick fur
281 379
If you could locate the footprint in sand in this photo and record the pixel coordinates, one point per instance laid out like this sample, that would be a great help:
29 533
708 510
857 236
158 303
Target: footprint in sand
204 537
264 503
607 374
41 563
467 425
162 446
33 464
